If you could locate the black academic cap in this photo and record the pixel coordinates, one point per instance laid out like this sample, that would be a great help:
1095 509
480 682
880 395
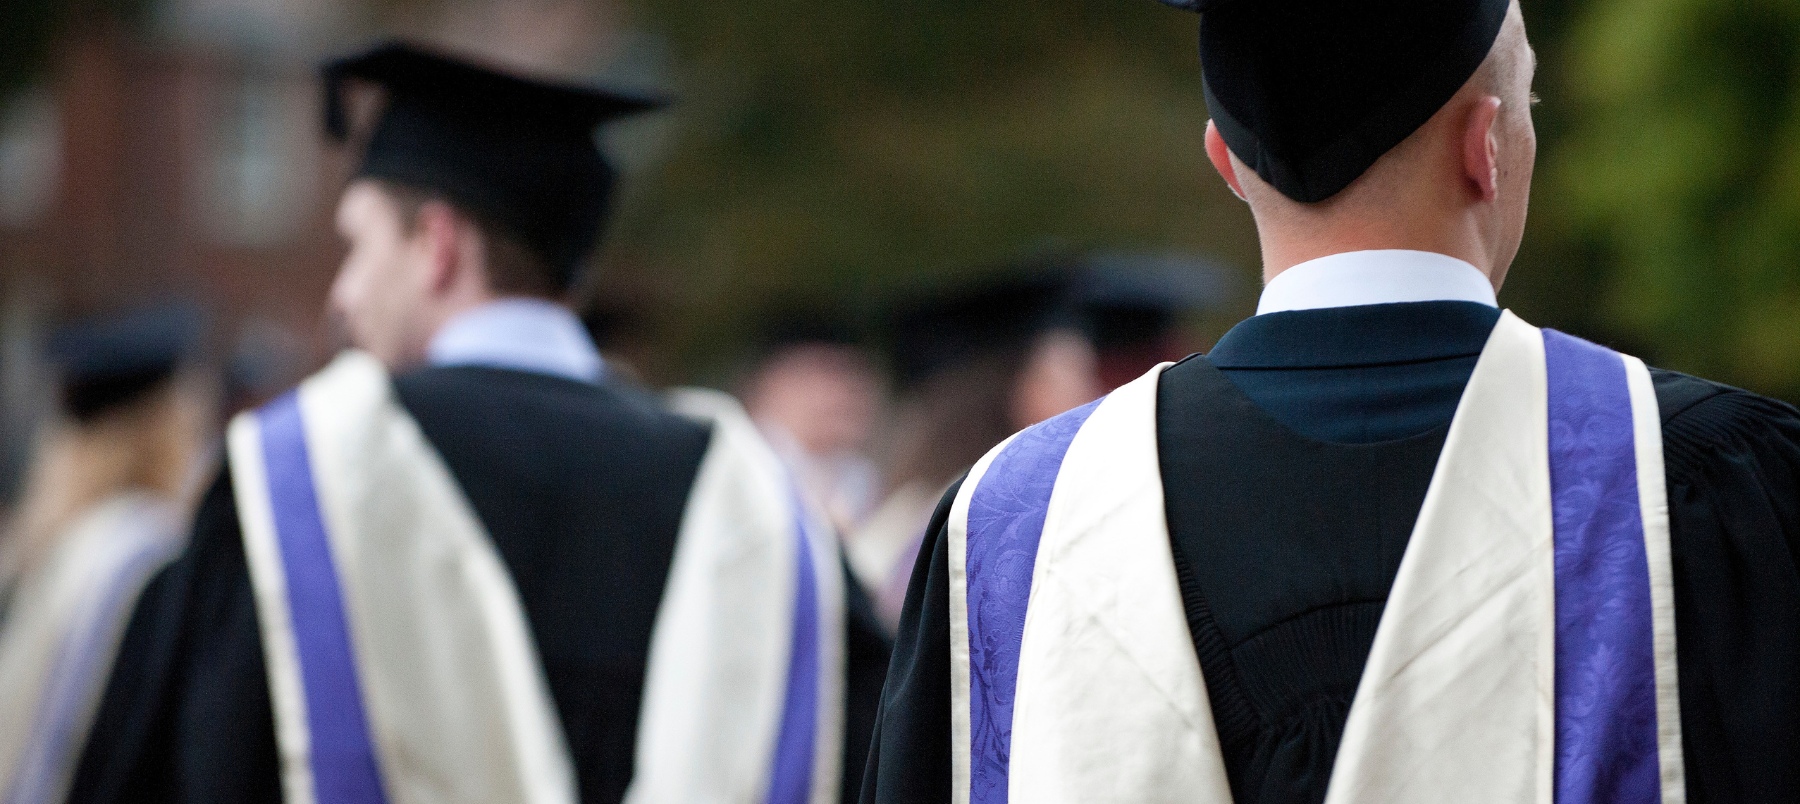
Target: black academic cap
1134 298
112 360
799 325
518 152
1309 93
998 315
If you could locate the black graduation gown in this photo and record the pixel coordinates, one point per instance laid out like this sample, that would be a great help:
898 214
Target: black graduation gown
582 489
1283 613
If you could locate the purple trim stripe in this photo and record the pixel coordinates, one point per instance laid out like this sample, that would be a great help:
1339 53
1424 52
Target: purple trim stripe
343 759
1606 739
1006 520
84 655
790 782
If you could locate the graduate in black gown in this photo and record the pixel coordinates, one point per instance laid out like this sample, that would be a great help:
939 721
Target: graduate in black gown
478 199
1295 456
104 508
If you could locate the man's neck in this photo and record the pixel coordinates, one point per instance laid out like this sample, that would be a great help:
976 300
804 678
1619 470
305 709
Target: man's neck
1291 237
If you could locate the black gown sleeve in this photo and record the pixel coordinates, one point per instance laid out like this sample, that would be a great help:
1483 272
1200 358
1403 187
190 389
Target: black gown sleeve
185 716
909 756
1733 466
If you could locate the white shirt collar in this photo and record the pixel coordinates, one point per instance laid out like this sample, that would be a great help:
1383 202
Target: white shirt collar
1375 277
520 334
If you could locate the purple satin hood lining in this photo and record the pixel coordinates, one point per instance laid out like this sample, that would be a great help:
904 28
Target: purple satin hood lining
1606 730
796 744
344 767
81 659
1006 519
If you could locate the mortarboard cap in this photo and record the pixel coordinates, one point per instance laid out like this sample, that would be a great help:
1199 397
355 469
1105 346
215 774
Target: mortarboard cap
1133 298
800 325
1136 303
109 361
1310 93
518 152
996 316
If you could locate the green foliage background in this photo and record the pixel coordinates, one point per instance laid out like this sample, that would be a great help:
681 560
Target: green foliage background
835 148
1674 193
839 151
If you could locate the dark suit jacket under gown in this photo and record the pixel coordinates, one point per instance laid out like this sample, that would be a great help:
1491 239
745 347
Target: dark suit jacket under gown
1337 416
582 489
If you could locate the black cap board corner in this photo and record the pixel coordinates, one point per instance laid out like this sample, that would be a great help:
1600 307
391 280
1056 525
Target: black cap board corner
997 314
514 150
1310 93
106 361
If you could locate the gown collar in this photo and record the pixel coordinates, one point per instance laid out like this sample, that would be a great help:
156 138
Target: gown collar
530 335
1364 335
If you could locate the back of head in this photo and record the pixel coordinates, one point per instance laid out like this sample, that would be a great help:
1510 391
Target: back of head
1311 93
133 419
1356 111
517 154
109 363
511 266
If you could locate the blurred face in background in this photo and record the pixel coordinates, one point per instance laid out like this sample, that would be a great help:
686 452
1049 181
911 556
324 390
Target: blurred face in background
825 396
1062 371
383 291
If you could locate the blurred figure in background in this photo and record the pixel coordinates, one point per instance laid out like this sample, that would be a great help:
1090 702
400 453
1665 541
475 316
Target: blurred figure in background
815 394
1137 304
467 563
105 507
973 367
979 365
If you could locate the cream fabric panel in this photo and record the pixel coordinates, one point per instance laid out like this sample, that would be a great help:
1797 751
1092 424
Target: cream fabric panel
1111 705
457 704
716 687
1653 502
58 641
1456 701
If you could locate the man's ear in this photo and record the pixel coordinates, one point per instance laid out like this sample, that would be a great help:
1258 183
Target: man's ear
1481 148
439 232
1220 154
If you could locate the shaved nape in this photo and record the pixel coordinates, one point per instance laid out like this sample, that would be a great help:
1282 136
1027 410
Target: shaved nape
1510 57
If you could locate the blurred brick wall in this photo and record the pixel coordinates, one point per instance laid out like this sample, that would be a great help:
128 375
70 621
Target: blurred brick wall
182 171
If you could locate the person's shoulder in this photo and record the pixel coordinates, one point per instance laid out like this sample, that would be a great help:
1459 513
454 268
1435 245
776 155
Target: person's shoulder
1686 399
1705 420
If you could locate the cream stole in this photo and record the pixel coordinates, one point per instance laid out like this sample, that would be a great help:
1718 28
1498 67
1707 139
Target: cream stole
400 665
59 639
1526 654
400 662
744 699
